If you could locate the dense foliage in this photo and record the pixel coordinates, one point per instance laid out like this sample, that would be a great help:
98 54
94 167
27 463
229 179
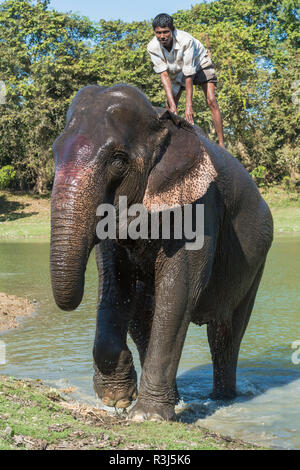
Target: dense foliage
47 56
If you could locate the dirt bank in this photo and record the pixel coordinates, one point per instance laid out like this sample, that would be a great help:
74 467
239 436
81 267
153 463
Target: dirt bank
12 308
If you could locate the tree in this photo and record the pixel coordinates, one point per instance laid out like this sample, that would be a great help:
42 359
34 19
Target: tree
47 56
44 56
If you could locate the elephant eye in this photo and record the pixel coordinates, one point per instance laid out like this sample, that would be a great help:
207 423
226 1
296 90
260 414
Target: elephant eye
118 163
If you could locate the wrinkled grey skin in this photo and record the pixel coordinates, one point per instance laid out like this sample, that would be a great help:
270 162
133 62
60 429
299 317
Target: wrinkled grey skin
115 143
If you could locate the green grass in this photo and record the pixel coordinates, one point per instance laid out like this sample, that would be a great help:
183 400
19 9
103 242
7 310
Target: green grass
33 416
25 216
285 208
29 230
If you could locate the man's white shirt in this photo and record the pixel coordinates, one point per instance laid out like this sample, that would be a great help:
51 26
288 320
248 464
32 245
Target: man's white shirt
185 58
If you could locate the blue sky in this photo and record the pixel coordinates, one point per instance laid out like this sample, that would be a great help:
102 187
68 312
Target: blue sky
121 9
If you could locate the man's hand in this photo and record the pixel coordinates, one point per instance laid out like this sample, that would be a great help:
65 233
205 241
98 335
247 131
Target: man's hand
172 108
189 114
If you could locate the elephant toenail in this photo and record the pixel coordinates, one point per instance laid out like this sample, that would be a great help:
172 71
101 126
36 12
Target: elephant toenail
137 418
157 418
108 401
124 403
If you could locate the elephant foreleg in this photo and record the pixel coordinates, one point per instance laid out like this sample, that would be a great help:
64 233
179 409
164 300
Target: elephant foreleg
115 376
171 318
141 324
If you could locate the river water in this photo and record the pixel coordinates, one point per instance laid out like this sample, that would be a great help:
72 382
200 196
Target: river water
56 347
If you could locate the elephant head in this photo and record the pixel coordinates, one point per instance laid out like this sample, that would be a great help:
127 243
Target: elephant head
115 143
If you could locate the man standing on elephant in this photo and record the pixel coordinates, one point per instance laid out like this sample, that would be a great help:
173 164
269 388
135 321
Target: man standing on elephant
182 61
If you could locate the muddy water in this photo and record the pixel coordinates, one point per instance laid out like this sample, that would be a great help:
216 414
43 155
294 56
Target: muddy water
56 347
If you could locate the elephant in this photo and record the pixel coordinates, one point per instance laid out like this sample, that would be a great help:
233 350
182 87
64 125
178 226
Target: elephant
115 143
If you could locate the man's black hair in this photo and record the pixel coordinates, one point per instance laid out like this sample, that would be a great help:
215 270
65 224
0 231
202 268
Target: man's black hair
163 20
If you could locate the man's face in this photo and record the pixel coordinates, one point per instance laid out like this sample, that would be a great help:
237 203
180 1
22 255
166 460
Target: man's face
164 35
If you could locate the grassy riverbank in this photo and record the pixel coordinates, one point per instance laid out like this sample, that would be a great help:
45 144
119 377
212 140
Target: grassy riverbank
285 208
33 416
24 216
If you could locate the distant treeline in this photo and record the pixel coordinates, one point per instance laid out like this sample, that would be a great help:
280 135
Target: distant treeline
47 56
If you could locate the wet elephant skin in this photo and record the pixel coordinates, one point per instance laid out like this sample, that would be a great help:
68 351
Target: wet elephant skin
116 144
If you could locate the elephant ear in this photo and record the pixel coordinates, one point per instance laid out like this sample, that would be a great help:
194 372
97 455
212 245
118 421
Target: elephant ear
184 172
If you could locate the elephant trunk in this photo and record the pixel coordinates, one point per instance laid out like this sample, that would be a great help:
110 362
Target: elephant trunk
73 219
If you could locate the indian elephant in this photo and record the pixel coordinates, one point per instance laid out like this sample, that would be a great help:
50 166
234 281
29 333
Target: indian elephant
116 144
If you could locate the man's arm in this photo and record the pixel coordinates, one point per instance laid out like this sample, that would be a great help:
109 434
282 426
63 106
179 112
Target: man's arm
160 66
189 113
189 69
165 79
